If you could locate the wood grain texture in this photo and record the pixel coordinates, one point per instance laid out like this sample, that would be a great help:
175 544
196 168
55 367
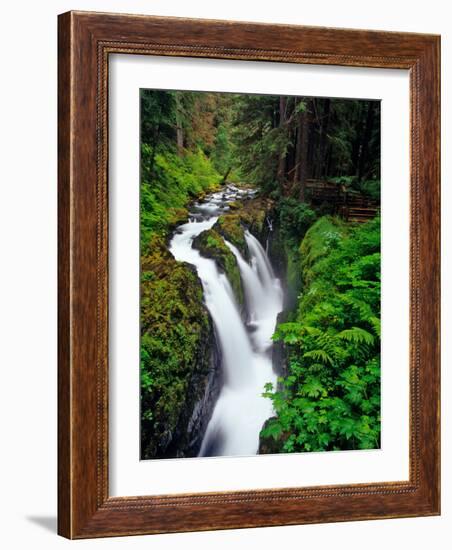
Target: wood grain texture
64 295
85 42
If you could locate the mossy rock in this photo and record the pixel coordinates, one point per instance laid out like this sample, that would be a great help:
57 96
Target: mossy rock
211 245
176 342
235 205
254 213
230 227
270 445
177 216
250 214
324 235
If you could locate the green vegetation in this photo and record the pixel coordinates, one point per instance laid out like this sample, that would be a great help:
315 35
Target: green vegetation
175 181
191 143
282 142
330 398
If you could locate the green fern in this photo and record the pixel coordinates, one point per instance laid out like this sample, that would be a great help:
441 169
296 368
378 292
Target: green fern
356 335
319 355
376 325
330 397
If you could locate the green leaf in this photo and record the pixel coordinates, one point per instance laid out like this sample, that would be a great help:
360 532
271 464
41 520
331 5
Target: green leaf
319 355
273 429
356 335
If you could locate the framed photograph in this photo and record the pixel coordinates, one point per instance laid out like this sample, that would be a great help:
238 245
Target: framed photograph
248 275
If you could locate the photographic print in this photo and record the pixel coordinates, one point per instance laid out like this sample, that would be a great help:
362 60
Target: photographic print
260 274
229 242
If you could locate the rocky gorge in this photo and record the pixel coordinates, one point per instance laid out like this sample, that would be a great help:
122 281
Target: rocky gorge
182 400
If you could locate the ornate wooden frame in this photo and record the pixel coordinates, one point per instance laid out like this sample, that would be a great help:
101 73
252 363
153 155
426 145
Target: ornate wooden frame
85 42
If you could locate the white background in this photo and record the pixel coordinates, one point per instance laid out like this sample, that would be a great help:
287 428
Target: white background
28 274
128 475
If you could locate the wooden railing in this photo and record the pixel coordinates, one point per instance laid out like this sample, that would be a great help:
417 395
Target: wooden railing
349 204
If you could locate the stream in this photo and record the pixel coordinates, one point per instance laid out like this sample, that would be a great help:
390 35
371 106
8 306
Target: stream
240 410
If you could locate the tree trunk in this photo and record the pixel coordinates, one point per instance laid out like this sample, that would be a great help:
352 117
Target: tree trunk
301 156
324 139
356 147
179 129
282 155
225 177
154 151
296 173
365 141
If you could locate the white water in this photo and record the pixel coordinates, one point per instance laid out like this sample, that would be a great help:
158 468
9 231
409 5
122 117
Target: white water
240 411
263 293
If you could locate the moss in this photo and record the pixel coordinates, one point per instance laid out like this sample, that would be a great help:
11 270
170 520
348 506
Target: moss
254 213
166 192
211 245
324 235
177 216
230 227
293 274
175 329
250 214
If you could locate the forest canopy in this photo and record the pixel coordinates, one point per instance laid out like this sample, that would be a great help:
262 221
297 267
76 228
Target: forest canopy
192 139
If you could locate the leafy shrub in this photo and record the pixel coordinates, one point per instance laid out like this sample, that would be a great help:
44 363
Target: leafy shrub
371 188
294 217
330 399
168 188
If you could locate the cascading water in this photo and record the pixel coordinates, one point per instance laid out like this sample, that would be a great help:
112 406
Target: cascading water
240 410
262 290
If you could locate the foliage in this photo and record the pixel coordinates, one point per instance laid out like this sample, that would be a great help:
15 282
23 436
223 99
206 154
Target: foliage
295 218
330 398
222 155
371 188
342 140
175 180
259 139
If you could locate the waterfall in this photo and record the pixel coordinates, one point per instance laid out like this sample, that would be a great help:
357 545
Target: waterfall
262 290
240 410
218 296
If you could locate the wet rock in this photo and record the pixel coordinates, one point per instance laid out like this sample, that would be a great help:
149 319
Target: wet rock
211 245
180 360
203 390
279 352
270 445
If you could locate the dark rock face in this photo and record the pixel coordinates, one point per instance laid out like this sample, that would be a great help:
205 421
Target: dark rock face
268 445
203 389
276 249
180 360
279 352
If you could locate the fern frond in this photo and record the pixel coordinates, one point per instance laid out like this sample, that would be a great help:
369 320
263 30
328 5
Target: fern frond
319 355
356 335
376 325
